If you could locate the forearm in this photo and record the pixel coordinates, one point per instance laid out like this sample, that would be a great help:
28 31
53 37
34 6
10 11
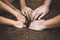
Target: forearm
53 22
47 2
6 21
23 4
9 4
7 8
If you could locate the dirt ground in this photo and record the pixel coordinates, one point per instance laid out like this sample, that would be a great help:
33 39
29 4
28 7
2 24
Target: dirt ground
11 33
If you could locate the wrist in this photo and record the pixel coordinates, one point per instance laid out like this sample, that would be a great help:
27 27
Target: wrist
22 7
47 2
46 25
46 5
23 3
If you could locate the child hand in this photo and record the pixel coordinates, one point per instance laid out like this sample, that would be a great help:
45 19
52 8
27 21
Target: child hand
37 25
27 11
19 24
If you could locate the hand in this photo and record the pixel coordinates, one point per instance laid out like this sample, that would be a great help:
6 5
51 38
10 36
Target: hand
19 24
27 11
42 10
21 18
37 25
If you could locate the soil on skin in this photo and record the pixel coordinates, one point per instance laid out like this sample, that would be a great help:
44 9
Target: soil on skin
11 33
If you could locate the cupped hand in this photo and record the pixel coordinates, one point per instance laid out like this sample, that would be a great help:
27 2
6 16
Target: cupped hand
37 25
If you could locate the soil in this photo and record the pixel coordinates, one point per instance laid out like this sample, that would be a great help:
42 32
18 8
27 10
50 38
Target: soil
8 32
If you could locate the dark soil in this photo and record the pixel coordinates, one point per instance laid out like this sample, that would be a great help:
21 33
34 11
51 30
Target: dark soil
11 33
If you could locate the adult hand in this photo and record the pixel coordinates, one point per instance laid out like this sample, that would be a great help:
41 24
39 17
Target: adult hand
42 10
37 25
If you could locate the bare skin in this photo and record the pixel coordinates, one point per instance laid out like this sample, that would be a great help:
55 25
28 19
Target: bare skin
10 4
7 21
42 10
53 22
12 11
25 10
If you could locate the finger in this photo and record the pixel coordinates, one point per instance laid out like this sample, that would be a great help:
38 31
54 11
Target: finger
31 10
30 13
33 14
23 13
43 14
36 16
33 28
27 14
